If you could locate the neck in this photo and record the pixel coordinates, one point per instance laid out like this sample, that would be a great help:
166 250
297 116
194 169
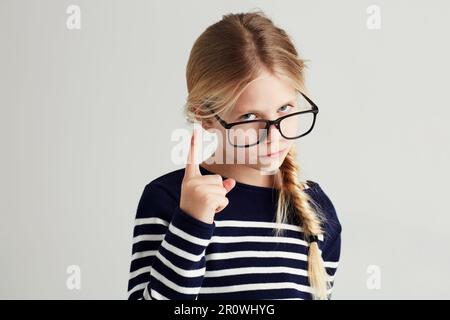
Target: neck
243 173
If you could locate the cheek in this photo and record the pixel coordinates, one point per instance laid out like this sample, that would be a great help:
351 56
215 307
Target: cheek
230 154
289 146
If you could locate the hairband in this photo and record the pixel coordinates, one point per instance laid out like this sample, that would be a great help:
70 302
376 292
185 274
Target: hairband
313 238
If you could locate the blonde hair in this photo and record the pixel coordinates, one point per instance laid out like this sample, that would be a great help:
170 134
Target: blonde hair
224 59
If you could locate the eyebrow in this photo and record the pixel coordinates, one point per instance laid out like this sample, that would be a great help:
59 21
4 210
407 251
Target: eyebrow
290 102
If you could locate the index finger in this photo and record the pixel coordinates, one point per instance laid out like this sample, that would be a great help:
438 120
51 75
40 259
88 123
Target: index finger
192 167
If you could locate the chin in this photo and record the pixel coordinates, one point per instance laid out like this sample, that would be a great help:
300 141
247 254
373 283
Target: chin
272 166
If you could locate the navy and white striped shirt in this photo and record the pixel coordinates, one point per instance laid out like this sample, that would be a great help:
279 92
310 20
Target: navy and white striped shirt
178 257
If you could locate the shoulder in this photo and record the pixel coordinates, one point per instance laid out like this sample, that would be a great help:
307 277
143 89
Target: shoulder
161 194
170 181
321 199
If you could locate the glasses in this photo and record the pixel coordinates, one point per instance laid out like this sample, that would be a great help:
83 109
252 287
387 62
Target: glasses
245 134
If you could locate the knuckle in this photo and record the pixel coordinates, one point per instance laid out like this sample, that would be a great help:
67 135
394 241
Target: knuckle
187 183
218 178
205 197
225 201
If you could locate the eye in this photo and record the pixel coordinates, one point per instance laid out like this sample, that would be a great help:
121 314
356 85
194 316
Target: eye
287 108
244 117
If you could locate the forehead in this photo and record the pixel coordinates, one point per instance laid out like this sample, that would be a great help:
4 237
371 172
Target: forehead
264 93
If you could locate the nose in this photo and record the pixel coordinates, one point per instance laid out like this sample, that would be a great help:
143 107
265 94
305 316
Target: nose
273 134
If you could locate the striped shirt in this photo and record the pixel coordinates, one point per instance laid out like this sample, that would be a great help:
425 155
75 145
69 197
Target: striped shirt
178 257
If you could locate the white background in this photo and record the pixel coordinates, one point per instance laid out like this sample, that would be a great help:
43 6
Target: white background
87 116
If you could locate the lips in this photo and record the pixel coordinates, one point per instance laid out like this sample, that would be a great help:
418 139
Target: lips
274 154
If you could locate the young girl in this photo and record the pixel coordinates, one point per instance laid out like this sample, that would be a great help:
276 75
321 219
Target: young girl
231 229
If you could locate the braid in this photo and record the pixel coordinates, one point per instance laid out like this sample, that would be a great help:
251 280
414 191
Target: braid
292 196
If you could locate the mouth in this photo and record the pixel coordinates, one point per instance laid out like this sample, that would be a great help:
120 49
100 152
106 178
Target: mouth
274 154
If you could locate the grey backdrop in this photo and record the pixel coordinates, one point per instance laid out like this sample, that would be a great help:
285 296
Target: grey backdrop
87 117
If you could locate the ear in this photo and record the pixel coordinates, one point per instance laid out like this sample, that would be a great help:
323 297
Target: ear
206 123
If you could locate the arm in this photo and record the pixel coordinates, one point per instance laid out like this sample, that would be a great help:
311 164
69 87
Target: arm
168 254
330 254
331 246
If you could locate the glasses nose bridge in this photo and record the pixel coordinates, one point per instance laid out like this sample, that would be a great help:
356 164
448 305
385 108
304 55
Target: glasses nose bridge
269 124
275 122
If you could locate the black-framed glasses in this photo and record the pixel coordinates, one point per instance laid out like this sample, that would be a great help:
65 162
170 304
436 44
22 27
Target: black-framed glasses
244 134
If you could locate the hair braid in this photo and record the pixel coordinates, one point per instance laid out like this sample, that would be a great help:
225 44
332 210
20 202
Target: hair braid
293 196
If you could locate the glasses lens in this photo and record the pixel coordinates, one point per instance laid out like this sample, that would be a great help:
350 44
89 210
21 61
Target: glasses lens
245 134
297 125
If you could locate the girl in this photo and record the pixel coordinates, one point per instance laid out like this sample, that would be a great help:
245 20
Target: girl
212 230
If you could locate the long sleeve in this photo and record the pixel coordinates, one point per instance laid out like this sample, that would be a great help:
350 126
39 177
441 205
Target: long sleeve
168 253
331 247
330 255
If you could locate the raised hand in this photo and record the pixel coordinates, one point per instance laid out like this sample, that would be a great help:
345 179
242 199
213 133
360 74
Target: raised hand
202 196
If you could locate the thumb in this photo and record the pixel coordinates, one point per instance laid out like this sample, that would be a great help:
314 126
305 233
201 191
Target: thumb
229 184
